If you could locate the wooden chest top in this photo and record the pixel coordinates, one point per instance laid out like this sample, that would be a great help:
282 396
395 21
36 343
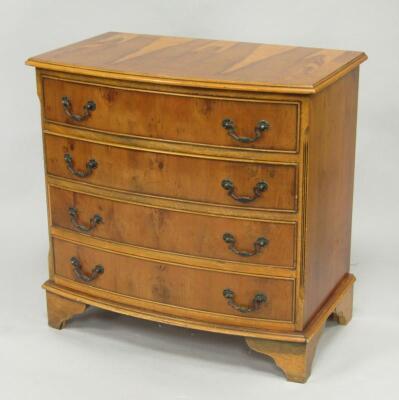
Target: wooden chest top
201 62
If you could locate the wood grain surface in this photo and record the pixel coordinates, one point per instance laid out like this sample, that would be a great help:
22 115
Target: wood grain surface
184 287
162 153
174 117
330 190
201 62
187 178
179 232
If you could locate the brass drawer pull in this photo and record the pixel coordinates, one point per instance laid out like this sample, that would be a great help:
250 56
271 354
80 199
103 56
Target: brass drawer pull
77 270
260 127
94 221
257 301
231 241
258 189
90 166
87 109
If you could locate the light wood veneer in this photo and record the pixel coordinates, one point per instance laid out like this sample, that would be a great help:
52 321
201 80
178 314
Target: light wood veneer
160 210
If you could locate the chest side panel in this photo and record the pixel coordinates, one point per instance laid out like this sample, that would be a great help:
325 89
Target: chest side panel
331 152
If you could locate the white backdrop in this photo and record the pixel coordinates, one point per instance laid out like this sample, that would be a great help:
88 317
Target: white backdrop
135 359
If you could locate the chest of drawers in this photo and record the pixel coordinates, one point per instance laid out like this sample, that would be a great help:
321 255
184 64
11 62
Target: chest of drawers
204 184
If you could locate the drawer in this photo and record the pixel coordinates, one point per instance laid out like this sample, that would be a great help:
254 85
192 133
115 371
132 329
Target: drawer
227 183
255 242
174 117
173 285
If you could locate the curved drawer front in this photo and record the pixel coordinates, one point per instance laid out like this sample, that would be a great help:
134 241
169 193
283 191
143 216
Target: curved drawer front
173 117
173 231
177 177
216 292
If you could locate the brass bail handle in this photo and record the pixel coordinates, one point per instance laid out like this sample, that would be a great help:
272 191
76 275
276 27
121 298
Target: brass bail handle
257 301
258 245
88 108
91 165
77 270
260 127
94 221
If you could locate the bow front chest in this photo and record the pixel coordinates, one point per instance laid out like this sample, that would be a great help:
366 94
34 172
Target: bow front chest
204 184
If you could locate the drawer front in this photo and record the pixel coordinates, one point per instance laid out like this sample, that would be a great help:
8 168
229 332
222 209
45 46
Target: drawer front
178 177
173 231
174 117
176 286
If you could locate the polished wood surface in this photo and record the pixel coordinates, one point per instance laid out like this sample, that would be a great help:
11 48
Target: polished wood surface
161 155
343 311
191 179
227 324
177 286
180 232
174 117
294 359
202 62
60 310
146 253
330 190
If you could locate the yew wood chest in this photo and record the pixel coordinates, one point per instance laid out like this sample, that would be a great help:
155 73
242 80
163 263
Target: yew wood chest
204 184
